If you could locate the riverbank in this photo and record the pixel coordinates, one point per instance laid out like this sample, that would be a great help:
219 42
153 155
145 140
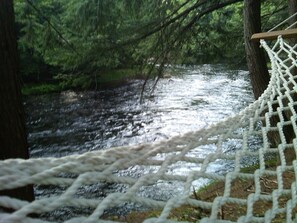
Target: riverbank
72 122
241 188
103 80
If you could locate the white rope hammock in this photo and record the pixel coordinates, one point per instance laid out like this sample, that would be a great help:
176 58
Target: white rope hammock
70 178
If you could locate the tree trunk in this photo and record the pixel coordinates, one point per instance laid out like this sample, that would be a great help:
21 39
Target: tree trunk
289 130
13 138
292 9
254 54
256 59
292 6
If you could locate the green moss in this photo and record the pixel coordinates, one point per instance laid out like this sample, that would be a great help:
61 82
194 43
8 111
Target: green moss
183 213
37 89
63 82
249 169
268 164
102 80
70 81
110 78
117 74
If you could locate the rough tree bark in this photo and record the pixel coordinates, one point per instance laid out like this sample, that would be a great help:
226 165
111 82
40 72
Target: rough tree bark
289 130
13 138
256 59
259 72
292 6
254 54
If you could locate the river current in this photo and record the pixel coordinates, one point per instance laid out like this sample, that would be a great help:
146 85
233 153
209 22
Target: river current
75 122
194 97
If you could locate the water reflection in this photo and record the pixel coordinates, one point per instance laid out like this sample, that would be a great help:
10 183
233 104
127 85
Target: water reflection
76 122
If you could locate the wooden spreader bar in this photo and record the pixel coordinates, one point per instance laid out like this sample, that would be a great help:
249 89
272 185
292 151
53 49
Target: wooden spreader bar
289 33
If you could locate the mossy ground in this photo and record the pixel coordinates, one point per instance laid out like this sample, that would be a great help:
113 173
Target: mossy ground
41 88
241 188
103 80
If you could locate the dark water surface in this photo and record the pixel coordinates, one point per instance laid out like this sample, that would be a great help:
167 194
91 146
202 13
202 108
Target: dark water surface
76 122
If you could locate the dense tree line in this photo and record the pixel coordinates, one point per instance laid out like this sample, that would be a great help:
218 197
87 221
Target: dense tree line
85 37
89 37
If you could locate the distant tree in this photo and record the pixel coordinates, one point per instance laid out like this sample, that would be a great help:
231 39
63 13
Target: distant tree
13 138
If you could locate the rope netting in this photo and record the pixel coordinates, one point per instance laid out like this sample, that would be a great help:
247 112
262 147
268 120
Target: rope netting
99 186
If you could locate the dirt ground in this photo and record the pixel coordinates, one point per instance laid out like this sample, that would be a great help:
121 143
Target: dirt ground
241 188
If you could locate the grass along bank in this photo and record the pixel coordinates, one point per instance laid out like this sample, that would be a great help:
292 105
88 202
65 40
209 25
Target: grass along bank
103 80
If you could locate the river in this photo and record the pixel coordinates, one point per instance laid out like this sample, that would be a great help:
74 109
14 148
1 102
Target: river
75 122
71 122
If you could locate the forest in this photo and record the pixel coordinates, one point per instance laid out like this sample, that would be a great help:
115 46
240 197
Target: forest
90 44
56 45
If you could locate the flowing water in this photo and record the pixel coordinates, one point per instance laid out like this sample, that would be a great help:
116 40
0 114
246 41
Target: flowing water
76 122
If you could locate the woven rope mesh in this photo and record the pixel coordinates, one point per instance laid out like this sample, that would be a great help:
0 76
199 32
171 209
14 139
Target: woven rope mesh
96 186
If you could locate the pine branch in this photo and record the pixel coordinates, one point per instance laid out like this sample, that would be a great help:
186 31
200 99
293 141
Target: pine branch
53 27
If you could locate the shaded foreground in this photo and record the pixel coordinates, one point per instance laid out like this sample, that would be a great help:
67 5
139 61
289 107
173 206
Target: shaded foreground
241 188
